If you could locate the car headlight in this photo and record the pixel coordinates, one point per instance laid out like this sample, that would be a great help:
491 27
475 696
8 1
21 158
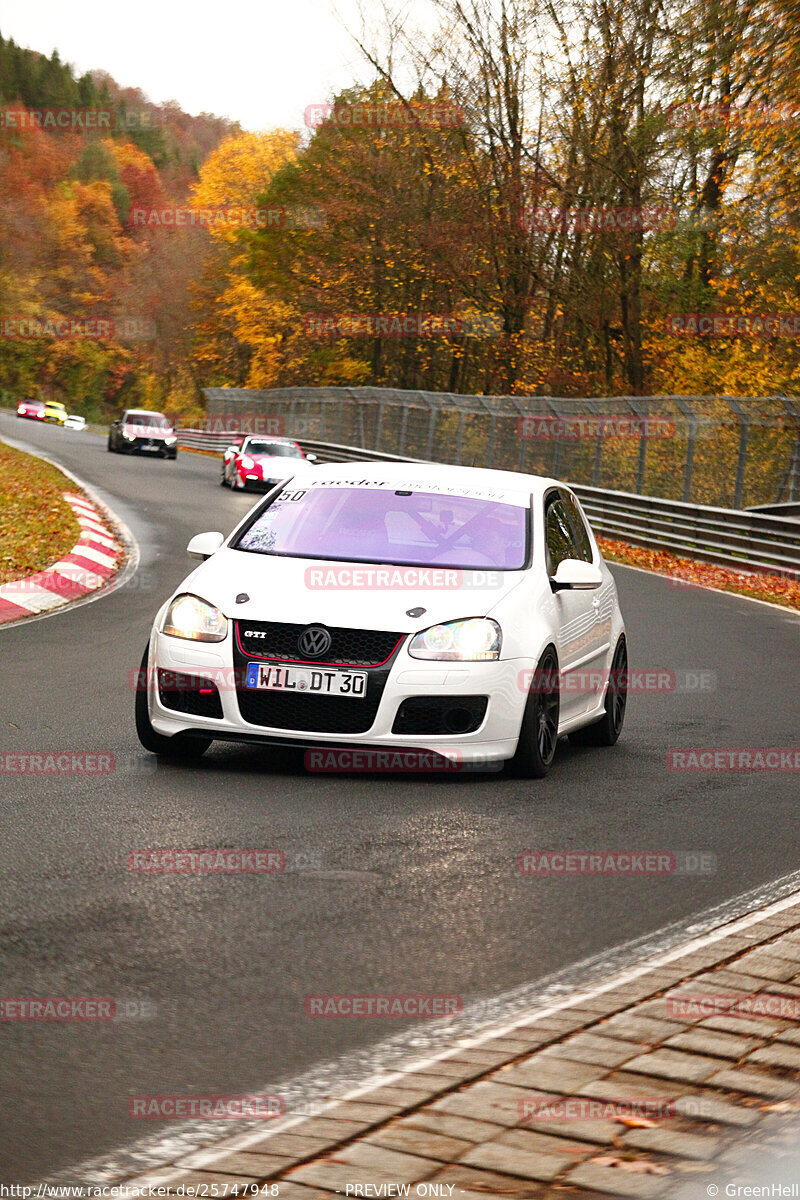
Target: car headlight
170 441
477 640
129 437
247 462
190 617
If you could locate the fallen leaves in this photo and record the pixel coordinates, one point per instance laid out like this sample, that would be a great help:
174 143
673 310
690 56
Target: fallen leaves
687 572
37 526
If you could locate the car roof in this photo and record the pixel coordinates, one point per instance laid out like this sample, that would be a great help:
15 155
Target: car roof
439 473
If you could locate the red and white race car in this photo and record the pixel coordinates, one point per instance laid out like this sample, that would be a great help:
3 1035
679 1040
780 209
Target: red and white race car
255 462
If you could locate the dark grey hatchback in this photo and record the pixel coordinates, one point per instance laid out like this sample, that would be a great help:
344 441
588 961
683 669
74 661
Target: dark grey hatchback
139 431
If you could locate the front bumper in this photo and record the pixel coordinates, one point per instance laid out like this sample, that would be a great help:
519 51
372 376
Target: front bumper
494 740
251 481
148 445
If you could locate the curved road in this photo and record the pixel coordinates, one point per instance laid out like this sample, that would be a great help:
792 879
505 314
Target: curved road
413 885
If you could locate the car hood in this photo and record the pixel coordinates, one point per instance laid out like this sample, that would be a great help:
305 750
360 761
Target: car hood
149 431
297 590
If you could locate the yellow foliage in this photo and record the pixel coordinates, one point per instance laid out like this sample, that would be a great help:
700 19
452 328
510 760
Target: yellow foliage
239 171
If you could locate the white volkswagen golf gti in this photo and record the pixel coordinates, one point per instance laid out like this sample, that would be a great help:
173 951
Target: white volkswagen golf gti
463 612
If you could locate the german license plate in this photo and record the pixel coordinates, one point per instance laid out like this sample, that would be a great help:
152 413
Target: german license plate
149 445
318 681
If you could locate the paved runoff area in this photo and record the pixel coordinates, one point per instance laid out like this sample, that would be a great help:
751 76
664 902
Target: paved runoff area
677 1078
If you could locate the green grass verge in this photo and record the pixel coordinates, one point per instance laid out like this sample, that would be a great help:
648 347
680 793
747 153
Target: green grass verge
37 526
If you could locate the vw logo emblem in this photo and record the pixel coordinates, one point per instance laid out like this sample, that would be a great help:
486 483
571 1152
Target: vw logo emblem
314 641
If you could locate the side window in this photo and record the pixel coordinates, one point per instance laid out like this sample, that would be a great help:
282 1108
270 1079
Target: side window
560 541
583 546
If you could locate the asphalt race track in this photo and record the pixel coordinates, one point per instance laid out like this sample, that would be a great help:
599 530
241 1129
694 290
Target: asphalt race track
401 884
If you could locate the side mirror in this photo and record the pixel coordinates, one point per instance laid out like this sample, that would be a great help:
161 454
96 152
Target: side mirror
575 575
203 545
311 458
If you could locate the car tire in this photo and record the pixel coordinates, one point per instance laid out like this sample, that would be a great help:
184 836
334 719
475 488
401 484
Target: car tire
538 735
181 746
606 731
223 481
111 449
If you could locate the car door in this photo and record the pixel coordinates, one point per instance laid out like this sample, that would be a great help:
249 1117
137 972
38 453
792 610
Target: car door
582 646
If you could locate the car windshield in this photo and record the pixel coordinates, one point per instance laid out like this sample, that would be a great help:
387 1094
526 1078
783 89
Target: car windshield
157 420
274 449
404 527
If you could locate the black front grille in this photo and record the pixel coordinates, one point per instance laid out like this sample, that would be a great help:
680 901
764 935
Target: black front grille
189 694
349 647
440 714
301 711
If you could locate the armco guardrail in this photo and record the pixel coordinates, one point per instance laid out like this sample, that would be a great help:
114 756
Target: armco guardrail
201 439
732 451
726 536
